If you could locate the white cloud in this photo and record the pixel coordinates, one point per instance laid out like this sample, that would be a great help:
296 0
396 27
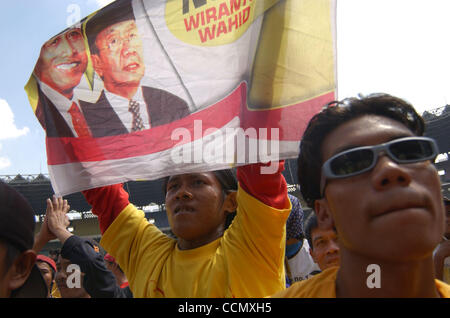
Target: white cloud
8 128
4 163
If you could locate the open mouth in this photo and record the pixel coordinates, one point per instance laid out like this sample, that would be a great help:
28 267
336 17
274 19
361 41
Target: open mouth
131 67
181 209
67 66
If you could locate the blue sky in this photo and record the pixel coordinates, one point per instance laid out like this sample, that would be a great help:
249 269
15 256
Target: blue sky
25 26
399 47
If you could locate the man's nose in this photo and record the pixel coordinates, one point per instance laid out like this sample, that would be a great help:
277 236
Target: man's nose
333 247
183 193
67 48
127 47
388 173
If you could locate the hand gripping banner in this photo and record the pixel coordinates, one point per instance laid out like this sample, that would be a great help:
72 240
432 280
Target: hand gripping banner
142 89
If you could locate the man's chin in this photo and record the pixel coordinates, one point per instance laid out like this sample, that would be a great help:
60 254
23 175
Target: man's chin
332 264
63 88
129 82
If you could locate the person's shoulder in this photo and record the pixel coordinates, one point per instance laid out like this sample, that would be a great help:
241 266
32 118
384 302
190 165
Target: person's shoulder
443 288
100 100
148 91
153 93
322 285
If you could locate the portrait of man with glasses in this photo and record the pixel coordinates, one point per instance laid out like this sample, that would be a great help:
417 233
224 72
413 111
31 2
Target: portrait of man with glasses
116 50
367 171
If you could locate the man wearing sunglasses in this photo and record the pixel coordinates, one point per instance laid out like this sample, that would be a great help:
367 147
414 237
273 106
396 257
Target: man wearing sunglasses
367 171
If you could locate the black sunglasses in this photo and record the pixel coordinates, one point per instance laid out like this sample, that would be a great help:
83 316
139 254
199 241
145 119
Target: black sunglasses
361 159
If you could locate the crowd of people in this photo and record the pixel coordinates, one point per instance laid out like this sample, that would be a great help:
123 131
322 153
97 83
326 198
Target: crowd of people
380 226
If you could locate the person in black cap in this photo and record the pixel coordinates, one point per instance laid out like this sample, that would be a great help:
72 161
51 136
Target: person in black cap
124 106
19 275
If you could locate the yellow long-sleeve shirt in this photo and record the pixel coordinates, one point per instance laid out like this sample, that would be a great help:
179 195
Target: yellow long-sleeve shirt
247 261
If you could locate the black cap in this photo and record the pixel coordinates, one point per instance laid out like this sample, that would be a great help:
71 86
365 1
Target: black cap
118 11
16 218
17 228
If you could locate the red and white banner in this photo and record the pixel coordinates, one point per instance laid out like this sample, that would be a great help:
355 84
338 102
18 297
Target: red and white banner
142 89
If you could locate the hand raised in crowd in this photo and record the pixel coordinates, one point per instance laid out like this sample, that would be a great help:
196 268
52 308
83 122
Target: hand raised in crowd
57 219
57 210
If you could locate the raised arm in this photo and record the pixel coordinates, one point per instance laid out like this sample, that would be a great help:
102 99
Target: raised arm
270 189
107 203
45 234
98 280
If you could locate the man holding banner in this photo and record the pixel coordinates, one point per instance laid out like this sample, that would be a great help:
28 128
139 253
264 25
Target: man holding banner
207 259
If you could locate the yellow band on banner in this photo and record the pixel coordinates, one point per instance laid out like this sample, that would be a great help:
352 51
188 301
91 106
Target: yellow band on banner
32 92
213 22
90 67
299 64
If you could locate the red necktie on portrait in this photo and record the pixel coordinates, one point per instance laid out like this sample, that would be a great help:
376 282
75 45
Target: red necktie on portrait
78 121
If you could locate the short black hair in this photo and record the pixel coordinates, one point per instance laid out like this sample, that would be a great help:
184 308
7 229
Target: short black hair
229 184
336 113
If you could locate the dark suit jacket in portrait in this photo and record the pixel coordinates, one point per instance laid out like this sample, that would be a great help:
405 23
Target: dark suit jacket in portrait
163 108
50 117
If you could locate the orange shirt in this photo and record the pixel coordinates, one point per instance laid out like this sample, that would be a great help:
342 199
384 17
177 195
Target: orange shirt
323 285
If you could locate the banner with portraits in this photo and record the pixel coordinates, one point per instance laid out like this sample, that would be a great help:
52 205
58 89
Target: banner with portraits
143 89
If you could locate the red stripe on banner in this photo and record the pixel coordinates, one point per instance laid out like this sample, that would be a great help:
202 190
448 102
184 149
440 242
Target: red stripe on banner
284 117
156 139
88 149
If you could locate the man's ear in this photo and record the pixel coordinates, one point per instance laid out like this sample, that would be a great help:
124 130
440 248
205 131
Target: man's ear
21 268
230 202
324 217
97 64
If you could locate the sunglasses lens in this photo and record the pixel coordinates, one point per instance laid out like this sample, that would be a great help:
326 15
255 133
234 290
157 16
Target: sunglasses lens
412 150
352 162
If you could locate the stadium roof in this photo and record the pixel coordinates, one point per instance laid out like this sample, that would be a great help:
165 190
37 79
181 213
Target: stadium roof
38 188
438 127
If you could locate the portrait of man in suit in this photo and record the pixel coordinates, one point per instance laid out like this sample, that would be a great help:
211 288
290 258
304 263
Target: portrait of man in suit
61 64
125 105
